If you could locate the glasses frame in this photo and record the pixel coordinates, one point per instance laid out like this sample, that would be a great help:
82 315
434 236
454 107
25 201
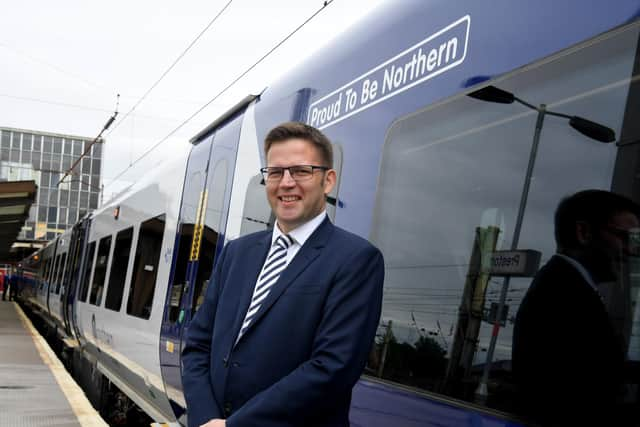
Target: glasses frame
265 171
631 235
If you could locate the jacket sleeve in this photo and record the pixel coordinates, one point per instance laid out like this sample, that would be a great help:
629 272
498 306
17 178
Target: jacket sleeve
202 405
340 349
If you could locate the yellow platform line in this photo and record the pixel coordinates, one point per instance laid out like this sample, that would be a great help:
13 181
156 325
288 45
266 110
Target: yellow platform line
86 414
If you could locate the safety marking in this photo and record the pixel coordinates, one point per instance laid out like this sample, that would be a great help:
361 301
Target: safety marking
198 227
86 414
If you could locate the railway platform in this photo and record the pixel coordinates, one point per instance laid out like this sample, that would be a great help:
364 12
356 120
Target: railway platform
35 388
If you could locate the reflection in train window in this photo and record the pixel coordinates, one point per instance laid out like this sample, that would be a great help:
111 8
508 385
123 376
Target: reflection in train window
256 212
192 200
69 269
54 273
451 180
45 274
145 268
119 269
100 271
62 269
216 189
185 237
84 290
74 266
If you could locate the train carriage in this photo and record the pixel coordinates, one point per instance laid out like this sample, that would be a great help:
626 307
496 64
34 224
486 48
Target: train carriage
433 109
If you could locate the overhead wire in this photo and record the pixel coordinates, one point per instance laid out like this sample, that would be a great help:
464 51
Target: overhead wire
221 92
173 64
77 106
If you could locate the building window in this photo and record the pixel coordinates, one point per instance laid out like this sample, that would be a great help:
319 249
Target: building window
95 166
57 145
6 140
37 143
27 139
35 160
97 150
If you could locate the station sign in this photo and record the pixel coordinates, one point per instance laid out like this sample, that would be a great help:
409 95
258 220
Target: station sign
518 263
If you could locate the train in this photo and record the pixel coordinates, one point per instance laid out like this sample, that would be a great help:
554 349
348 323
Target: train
432 156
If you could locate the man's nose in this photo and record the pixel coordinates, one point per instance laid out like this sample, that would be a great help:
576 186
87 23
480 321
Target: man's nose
287 180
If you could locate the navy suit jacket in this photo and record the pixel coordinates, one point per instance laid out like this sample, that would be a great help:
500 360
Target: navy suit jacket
567 358
305 349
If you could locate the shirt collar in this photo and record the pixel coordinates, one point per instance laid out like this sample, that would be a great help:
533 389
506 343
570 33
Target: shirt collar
302 233
583 271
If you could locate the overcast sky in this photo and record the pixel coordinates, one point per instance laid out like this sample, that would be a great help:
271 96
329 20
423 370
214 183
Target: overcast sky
64 63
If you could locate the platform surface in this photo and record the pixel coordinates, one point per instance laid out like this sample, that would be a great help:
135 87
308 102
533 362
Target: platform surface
35 389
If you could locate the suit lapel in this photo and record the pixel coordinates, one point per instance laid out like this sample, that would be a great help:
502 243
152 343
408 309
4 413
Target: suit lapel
256 253
305 256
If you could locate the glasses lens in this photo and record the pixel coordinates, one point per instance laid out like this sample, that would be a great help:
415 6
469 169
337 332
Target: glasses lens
634 241
272 174
301 173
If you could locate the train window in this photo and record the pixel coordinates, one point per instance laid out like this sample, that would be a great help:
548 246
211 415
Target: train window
54 274
68 271
189 212
119 264
180 272
43 275
145 267
256 212
100 271
84 290
450 189
61 272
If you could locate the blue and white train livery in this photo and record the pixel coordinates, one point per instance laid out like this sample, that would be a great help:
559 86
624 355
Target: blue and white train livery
432 176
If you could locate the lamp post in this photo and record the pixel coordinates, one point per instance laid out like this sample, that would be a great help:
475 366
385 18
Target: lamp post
586 127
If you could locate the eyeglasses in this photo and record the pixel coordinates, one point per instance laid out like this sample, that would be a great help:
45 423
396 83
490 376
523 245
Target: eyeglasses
630 236
297 172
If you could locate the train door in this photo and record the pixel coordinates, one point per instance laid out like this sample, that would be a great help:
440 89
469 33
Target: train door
52 271
182 269
200 239
71 283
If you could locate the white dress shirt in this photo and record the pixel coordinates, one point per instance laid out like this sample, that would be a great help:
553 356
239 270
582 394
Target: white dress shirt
583 271
299 234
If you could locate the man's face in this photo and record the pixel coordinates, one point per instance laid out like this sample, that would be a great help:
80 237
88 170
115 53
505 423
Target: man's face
296 202
614 244
618 236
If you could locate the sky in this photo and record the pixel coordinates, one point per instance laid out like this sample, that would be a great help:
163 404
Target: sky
65 62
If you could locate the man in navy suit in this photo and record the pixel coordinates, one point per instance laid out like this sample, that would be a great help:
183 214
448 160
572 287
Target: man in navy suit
568 358
286 327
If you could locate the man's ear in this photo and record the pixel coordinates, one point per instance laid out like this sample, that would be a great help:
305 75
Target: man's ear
329 181
584 233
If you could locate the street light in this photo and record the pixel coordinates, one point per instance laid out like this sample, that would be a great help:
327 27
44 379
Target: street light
586 127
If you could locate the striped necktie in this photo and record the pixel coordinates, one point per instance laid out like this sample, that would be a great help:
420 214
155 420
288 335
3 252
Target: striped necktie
273 266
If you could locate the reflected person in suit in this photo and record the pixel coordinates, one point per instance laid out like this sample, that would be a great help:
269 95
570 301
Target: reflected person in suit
568 359
288 321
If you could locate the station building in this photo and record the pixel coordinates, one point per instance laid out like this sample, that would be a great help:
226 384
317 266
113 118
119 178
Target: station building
44 157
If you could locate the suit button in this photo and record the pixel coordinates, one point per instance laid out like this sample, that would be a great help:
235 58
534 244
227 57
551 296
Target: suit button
235 364
225 362
227 409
